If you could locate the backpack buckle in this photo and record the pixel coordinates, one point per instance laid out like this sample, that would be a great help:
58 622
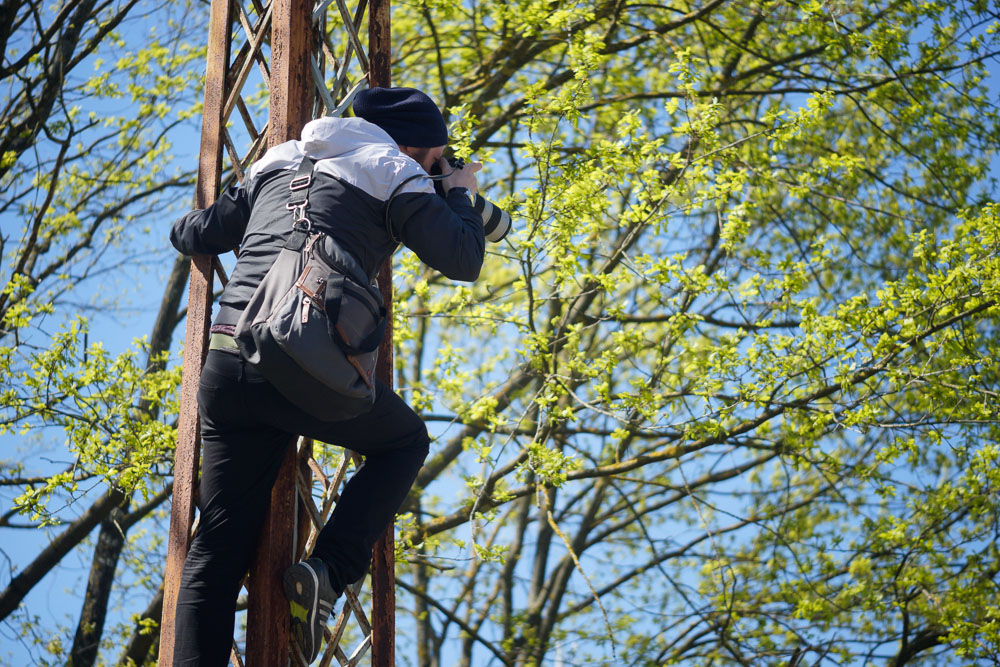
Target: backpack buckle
299 219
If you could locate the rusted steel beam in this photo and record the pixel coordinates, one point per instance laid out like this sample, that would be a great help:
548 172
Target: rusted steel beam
303 521
379 44
291 84
384 559
290 109
198 321
268 631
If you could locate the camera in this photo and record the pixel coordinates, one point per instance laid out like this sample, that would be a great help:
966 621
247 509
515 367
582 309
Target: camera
496 221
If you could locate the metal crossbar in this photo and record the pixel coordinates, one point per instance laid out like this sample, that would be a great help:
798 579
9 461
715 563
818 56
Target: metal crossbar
239 79
335 96
318 494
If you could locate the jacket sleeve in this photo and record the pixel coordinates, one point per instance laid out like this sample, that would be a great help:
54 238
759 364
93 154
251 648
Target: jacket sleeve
446 233
216 229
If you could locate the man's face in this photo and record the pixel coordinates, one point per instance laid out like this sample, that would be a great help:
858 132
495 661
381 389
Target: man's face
426 157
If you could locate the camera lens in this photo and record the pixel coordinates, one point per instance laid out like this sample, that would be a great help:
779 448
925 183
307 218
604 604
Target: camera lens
496 221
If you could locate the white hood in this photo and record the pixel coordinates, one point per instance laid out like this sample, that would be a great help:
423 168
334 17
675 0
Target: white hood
329 136
349 149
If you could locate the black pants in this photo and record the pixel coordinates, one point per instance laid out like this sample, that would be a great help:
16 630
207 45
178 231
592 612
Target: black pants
246 426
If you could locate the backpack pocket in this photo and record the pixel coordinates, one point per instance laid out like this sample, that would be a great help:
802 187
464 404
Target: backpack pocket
316 334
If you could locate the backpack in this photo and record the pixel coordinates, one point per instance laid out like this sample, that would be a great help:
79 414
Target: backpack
314 324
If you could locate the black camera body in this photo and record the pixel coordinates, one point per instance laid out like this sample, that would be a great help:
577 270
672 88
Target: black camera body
496 221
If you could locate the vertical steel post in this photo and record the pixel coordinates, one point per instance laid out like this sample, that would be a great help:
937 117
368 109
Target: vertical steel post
198 321
291 85
290 108
291 105
268 631
384 560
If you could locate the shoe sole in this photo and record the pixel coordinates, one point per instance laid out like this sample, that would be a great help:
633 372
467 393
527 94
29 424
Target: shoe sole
301 589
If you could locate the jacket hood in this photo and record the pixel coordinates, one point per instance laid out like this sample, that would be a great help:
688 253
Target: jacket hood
325 138
351 150
331 136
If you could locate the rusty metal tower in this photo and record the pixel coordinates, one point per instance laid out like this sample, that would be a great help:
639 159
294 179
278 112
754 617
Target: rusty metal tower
278 64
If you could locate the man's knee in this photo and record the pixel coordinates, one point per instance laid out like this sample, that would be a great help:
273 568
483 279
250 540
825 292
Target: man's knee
415 447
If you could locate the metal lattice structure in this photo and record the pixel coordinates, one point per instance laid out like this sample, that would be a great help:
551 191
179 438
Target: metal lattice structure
270 69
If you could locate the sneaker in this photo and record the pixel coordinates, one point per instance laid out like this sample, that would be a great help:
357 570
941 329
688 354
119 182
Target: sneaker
310 598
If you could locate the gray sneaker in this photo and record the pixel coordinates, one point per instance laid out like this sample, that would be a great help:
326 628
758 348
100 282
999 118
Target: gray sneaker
310 598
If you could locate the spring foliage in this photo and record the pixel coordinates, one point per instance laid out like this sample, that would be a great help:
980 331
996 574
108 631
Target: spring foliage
727 395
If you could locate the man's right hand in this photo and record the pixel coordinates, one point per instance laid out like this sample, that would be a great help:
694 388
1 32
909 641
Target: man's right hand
460 178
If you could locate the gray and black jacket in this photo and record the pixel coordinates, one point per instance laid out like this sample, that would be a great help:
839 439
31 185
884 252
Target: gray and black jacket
358 167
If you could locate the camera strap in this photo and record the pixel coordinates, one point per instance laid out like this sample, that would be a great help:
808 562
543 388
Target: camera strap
388 203
395 191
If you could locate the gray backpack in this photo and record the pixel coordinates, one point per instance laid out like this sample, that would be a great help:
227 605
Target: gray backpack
314 324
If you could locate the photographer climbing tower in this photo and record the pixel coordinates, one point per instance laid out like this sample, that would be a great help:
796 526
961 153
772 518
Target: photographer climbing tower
368 187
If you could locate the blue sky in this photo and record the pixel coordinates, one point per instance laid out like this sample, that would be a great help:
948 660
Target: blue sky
57 596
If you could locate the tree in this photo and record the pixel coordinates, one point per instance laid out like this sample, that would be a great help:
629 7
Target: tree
80 179
727 395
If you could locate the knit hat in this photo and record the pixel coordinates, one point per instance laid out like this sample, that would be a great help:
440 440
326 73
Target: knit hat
406 114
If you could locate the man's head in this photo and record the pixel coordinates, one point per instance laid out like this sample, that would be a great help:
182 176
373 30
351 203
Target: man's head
408 116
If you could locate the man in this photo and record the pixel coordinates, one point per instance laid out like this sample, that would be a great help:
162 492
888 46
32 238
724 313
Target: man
361 164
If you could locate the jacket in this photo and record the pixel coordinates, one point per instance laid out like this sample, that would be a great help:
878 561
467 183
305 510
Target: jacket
358 167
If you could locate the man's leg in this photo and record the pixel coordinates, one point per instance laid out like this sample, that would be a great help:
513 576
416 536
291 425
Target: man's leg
394 442
240 461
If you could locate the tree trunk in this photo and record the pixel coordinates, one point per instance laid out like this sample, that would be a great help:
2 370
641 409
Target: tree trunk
110 542
142 641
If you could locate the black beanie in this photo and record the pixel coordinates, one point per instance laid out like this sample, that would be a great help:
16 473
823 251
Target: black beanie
406 114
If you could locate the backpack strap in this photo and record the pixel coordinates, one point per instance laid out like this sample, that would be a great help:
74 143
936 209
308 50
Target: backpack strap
298 202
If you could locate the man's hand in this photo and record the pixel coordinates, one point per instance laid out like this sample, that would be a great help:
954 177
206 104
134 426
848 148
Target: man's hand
460 178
